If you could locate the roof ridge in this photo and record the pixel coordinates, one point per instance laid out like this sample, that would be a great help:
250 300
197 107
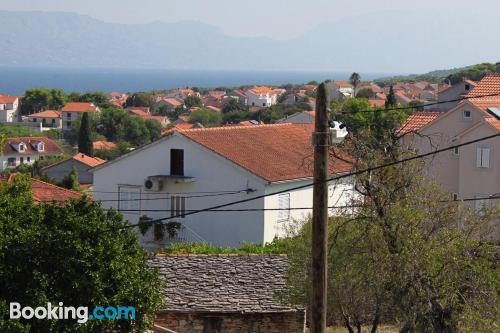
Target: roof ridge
52 185
163 255
226 128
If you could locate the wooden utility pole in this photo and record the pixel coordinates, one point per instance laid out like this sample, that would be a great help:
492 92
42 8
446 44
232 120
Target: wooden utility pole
320 213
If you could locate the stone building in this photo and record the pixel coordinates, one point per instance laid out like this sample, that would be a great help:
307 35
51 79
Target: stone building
225 293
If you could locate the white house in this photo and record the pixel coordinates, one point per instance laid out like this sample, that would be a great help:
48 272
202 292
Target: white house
261 96
453 92
71 111
339 90
27 150
200 168
8 108
45 120
81 162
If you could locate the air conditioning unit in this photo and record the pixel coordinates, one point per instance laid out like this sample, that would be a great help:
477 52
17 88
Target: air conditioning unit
153 184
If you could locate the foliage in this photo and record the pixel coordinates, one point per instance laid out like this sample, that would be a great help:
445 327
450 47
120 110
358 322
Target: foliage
391 99
280 111
18 130
365 93
85 145
193 101
97 98
475 73
277 246
140 99
121 149
70 181
355 79
65 253
234 111
206 117
39 99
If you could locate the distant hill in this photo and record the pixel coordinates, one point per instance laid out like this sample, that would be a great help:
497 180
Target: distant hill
385 42
475 72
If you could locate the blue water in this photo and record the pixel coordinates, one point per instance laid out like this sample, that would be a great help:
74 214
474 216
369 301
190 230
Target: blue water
15 80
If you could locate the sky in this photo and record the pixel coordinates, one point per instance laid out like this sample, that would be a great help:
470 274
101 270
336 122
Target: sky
277 19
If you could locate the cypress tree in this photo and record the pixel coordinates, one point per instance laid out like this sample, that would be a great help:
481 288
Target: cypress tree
84 140
390 101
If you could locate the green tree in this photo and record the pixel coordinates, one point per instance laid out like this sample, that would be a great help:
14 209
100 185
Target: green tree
140 99
57 99
65 253
206 117
355 79
97 98
35 100
193 101
391 101
84 137
70 181
365 93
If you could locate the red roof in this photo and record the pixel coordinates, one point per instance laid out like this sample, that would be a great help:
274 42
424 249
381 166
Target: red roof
103 145
50 146
377 102
417 120
490 84
45 192
343 84
494 122
8 99
275 153
261 90
87 160
173 101
178 127
46 114
79 107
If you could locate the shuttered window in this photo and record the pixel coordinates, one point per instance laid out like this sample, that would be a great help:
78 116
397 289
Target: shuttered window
129 199
284 207
483 157
177 207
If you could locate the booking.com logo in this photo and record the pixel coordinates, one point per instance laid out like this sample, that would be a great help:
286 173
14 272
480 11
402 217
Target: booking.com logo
81 313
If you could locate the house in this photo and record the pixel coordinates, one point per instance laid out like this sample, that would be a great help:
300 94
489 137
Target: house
171 103
238 95
118 99
27 150
234 162
402 99
8 108
182 94
471 171
452 93
181 127
71 111
339 90
225 293
304 117
43 192
144 113
45 120
81 162
103 145
261 96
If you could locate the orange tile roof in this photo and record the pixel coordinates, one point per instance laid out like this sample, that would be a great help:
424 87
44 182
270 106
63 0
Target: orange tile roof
490 84
486 102
494 122
173 101
103 145
417 120
79 107
50 146
377 102
46 114
138 111
343 84
87 160
46 192
178 127
275 153
4 99
261 90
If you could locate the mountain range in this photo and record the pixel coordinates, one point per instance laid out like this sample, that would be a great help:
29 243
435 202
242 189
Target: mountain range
390 42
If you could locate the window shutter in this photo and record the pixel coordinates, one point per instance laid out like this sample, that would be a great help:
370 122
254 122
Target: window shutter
486 157
284 206
479 157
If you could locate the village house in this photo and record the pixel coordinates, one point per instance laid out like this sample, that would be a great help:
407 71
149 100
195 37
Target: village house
471 171
144 113
8 108
171 103
27 150
238 95
43 192
45 120
225 293
339 90
81 162
232 163
453 93
304 117
73 110
182 94
261 96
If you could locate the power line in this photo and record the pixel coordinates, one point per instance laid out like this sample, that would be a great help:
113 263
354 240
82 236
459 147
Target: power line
396 108
359 172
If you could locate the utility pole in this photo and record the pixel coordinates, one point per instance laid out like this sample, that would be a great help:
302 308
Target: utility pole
320 213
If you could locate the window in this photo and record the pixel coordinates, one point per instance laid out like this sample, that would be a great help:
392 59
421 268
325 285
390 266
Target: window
41 146
284 207
34 120
177 162
454 196
483 157
456 151
212 325
21 160
467 87
467 115
21 147
41 157
28 159
68 115
53 121
68 123
129 199
177 206
263 104
11 162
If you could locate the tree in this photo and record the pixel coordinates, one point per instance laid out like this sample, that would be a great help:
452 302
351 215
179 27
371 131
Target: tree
65 253
58 99
391 101
140 99
355 79
365 93
193 101
35 100
97 98
206 117
84 136
70 181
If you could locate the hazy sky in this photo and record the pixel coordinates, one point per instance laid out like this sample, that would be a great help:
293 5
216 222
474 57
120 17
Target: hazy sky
281 19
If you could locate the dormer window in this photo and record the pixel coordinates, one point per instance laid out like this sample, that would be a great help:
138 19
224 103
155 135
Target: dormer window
41 146
22 147
467 115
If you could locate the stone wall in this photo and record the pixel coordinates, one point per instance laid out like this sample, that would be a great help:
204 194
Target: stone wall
291 322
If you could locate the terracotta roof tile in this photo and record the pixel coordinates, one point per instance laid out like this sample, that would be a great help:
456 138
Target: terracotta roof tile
103 145
173 101
50 146
261 90
273 152
490 84
46 114
87 160
79 107
417 120
4 99
494 122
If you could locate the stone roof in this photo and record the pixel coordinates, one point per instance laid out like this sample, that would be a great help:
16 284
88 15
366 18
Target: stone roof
223 283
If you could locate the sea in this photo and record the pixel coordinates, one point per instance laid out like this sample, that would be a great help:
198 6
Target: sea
16 80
